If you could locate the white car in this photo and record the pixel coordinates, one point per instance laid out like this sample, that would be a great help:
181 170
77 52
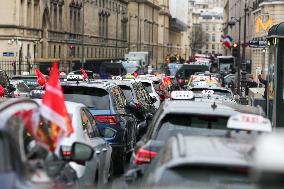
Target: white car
96 172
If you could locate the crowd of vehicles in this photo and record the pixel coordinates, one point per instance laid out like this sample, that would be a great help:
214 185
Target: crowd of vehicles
181 129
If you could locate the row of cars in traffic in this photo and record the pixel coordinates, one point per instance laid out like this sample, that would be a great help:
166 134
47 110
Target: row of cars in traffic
199 137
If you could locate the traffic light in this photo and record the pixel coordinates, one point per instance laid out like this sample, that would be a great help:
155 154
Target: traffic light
72 50
235 45
235 50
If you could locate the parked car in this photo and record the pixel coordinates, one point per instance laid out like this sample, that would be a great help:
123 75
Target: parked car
21 89
107 104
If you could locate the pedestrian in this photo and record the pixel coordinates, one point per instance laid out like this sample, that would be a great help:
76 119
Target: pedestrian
250 84
264 82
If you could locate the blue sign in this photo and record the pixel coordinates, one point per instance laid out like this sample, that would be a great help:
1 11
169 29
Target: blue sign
8 54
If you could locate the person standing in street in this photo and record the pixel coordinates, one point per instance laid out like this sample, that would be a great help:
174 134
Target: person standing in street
264 82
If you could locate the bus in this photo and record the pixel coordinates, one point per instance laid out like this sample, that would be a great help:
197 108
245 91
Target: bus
226 64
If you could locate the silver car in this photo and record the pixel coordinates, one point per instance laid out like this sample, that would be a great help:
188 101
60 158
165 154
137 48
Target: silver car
202 162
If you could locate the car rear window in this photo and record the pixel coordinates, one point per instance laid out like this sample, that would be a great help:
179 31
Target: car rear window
91 97
148 87
207 176
127 92
22 87
186 124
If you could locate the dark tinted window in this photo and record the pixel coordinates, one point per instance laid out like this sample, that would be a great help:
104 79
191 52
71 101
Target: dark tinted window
91 97
127 92
147 86
206 177
22 87
190 125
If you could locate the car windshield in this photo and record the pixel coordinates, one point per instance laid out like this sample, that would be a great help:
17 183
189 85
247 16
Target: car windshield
172 69
148 87
131 67
188 124
127 92
198 176
22 87
91 97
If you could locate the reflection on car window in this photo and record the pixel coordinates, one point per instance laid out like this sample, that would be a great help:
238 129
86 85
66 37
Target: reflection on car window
87 124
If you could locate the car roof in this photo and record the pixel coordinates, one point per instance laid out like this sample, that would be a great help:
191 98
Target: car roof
207 108
210 150
94 83
71 106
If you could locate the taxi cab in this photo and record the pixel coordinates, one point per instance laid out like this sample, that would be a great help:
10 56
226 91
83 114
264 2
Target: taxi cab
190 118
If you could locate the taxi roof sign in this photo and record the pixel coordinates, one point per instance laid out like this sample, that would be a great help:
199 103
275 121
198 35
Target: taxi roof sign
182 95
73 77
249 122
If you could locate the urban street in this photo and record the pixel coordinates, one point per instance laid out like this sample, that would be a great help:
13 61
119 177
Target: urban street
122 94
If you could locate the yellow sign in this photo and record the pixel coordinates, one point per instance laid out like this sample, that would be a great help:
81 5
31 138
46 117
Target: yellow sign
260 24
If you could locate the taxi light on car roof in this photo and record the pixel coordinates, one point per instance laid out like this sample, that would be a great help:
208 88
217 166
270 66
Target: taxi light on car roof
249 122
72 77
182 95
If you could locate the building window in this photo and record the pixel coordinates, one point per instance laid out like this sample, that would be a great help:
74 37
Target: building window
54 51
59 51
213 38
207 27
213 46
213 27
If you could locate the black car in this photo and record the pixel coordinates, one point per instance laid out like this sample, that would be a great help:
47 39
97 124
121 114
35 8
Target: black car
5 82
183 74
107 104
30 80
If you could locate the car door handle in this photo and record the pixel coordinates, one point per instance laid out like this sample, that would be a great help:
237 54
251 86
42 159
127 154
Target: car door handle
104 149
98 152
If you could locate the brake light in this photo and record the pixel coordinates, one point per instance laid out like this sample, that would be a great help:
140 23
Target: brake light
66 151
107 119
144 156
138 105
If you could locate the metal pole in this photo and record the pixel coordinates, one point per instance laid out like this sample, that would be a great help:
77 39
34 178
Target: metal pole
20 58
239 59
83 34
245 32
116 54
129 33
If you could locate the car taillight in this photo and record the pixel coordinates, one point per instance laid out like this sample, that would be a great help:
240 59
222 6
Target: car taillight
107 119
17 94
66 151
144 156
138 105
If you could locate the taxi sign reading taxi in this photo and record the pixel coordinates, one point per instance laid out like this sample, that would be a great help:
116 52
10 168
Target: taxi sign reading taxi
182 95
249 122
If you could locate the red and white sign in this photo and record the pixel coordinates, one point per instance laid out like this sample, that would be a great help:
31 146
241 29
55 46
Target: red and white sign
249 122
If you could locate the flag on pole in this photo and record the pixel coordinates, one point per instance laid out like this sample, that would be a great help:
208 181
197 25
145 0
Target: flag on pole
86 78
227 41
40 78
54 110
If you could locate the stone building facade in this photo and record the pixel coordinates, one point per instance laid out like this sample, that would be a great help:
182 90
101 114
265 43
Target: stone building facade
43 31
260 16
143 17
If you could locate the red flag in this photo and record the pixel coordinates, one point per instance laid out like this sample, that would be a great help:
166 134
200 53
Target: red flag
2 91
53 108
135 74
40 78
86 78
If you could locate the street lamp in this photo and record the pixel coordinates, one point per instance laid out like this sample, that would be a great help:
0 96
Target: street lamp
231 23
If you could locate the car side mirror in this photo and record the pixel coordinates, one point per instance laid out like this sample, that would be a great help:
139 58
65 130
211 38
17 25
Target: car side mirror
80 152
131 105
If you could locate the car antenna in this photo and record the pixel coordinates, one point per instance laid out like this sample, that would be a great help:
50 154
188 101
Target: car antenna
214 106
